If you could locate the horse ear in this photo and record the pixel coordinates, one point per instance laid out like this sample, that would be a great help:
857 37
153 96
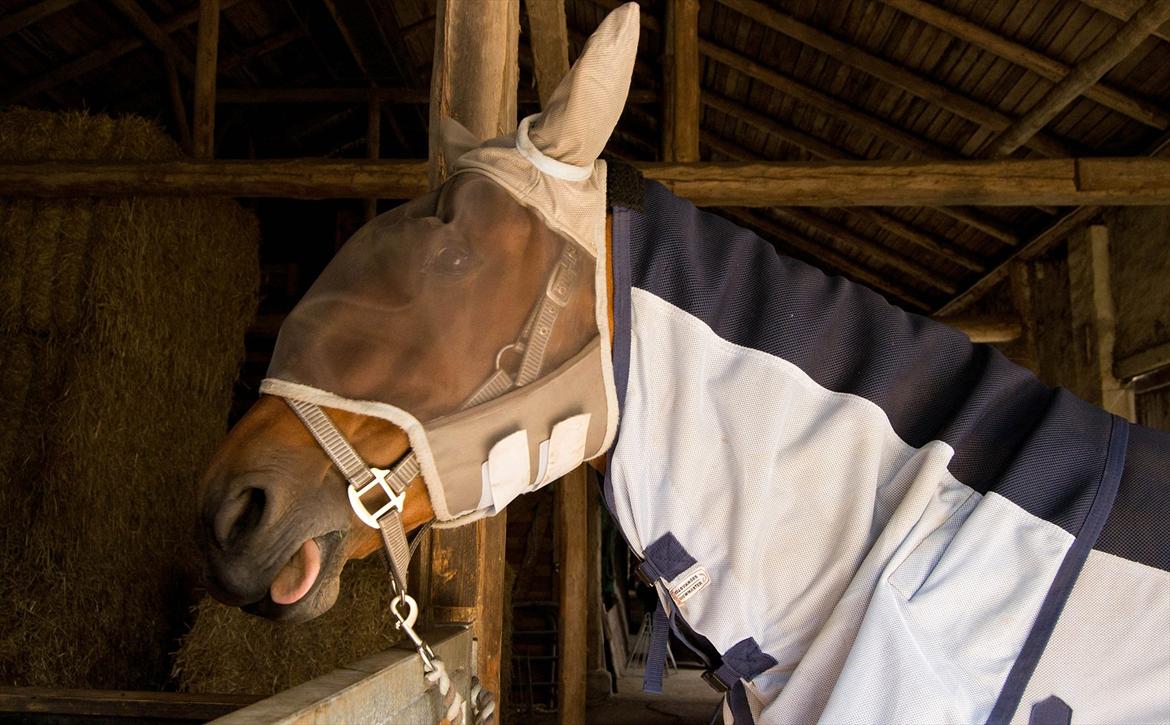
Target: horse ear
584 109
455 139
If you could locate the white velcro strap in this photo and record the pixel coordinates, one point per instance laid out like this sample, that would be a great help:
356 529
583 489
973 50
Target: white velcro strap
508 469
566 447
547 164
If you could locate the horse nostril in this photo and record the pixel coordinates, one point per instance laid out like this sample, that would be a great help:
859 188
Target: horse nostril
239 515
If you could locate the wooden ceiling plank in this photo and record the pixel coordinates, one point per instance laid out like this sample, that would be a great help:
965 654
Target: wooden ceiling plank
156 35
1123 10
549 38
1082 77
823 150
680 137
102 57
821 252
261 49
829 104
1054 70
22 19
892 73
873 216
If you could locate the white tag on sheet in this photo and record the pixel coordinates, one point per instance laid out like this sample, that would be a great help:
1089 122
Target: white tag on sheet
689 583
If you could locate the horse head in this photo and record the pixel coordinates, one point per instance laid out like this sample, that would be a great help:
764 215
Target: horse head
473 314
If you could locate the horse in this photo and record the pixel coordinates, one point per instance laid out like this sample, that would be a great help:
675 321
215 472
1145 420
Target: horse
849 512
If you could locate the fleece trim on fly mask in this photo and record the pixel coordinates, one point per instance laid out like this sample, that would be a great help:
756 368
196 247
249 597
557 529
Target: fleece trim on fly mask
475 461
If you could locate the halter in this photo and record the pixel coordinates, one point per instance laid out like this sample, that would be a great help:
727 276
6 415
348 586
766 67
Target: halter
378 495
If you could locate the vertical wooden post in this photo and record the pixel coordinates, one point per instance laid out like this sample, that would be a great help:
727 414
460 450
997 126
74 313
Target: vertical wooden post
1021 288
373 144
178 107
1094 322
206 62
550 44
680 140
473 80
573 596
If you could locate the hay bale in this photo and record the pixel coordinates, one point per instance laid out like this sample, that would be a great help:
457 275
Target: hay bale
228 651
121 331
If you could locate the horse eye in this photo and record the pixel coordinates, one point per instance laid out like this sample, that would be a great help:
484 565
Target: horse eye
451 261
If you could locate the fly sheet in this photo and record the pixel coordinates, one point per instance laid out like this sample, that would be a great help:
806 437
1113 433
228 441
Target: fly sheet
855 515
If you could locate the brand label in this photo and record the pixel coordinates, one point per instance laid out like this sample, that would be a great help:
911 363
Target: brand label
689 583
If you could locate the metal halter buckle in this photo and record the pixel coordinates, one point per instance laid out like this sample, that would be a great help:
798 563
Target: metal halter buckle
396 500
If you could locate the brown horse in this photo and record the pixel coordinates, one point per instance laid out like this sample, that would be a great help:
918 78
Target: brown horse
277 527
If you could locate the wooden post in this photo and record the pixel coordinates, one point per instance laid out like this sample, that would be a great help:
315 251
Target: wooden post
373 145
680 138
473 80
1094 322
178 107
206 61
573 594
550 44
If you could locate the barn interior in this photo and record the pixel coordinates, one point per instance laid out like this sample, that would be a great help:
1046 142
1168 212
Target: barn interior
998 164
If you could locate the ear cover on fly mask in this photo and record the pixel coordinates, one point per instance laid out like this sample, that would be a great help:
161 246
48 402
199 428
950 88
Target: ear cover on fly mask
477 458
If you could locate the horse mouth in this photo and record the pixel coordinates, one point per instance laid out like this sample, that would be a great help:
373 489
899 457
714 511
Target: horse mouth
306 585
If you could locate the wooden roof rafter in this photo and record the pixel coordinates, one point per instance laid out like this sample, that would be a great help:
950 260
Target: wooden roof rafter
1034 61
892 73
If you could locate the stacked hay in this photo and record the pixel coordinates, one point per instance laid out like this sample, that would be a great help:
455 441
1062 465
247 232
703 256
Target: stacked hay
228 651
121 328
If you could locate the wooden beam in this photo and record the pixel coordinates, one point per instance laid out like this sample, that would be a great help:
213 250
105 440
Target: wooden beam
881 219
1008 182
474 78
1042 242
178 106
1144 362
295 179
385 94
1083 77
1094 323
373 147
1123 10
572 594
157 37
896 75
101 57
1034 61
821 252
829 104
682 110
823 150
41 701
18 21
252 52
206 66
549 38
987 328
860 245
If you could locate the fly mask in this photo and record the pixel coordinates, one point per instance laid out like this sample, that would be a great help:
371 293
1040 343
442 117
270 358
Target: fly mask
525 405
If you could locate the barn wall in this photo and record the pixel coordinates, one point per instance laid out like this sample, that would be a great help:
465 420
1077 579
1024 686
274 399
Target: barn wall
1140 251
1139 273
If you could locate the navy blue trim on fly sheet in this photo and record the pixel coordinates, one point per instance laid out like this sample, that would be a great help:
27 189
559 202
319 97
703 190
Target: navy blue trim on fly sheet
1066 576
622 325
1050 711
666 558
744 660
741 711
1037 446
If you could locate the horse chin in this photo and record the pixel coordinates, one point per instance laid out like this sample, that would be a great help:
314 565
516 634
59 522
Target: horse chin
322 594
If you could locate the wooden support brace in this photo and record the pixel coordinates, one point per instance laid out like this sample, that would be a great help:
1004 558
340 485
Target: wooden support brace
373 147
680 137
206 66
